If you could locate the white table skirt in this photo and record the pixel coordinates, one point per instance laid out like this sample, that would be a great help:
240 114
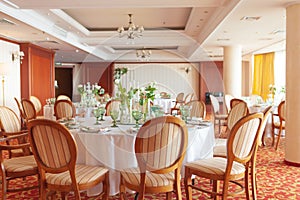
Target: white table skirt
115 149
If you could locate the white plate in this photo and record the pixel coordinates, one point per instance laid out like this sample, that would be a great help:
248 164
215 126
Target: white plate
90 129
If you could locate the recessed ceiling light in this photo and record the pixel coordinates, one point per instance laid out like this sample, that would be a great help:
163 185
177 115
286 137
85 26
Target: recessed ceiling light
249 18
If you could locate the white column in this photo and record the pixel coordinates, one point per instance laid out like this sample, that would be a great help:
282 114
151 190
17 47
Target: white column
232 70
292 142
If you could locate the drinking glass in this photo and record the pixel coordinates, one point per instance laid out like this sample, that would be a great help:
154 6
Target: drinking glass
102 111
114 114
137 115
97 114
185 112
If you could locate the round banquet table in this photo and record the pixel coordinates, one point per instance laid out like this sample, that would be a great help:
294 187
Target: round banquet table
114 147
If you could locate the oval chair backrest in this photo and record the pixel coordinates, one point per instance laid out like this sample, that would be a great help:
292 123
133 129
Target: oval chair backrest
282 110
9 120
267 112
238 111
161 144
29 109
53 145
198 108
36 102
64 109
180 97
63 97
243 138
112 104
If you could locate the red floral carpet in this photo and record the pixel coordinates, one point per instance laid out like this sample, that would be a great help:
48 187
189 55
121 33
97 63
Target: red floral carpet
276 180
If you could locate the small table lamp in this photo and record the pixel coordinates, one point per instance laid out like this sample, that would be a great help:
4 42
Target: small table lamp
4 70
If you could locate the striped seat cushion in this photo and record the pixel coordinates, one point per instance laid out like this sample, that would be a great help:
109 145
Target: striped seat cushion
216 165
20 164
220 151
132 176
84 174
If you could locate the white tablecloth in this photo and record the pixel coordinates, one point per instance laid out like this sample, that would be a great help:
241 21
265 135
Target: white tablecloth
166 104
115 149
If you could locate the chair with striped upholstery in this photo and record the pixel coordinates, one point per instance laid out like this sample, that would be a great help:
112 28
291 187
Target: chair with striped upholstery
112 104
198 109
63 97
160 147
37 104
21 111
29 110
19 163
236 101
55 151
10 125
64 109
241 146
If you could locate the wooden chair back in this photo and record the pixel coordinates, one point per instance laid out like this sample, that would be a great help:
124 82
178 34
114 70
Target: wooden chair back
198 109
9 120
64 109
63 97
21 111
37 103
235 101
189 97
29 110
239 110
112 104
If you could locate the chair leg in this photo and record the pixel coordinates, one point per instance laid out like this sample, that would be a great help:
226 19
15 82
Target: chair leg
4 187
122 190
169 195
187 183
278 138
253 181
247 188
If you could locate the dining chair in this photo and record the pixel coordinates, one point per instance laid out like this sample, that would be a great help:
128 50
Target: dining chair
235 101
220 150
219 118
55 152
198 109
10 125
227 99
160 147
64 109
189 97
16 168
37 104
238 111
29 110
63 97
21 111
112 104
179 101
278 125
241 146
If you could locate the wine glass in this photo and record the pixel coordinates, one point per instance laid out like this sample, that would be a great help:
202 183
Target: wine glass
185 112
102 111
97 114
137 115
114 114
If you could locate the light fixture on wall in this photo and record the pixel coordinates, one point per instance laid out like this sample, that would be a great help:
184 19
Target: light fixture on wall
4 70
143 54
187 69
17 55
133 31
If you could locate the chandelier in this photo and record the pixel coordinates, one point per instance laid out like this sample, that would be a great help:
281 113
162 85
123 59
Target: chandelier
133 31
143 54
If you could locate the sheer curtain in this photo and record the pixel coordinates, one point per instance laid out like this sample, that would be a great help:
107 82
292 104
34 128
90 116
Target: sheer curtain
263 74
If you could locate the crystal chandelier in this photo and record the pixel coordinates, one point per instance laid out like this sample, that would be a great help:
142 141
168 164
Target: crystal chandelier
133 31
143 54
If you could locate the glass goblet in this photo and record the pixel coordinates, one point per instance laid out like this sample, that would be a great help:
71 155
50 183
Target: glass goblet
185 112
97 114
137 115
114 114
102 111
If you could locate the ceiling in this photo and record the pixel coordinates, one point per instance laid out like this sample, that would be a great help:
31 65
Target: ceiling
175 30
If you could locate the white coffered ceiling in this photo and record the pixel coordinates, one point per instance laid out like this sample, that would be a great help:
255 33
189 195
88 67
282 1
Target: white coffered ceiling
185 30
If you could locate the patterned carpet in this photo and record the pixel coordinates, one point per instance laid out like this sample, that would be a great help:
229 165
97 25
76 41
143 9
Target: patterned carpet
275 180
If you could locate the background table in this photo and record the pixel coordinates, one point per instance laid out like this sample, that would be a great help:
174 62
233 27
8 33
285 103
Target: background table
115 149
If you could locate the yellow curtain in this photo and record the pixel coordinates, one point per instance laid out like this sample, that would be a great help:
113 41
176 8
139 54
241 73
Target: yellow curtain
263 74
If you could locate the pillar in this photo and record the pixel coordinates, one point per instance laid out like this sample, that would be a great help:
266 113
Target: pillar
232 70
292 141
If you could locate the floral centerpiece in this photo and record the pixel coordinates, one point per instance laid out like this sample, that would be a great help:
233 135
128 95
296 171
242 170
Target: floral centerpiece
89 93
